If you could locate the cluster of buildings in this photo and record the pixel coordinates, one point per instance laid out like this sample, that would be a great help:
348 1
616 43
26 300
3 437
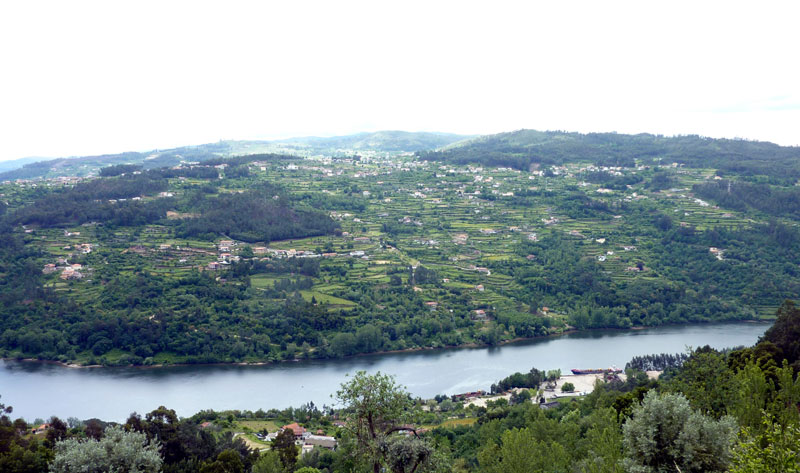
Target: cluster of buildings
306 440
68 271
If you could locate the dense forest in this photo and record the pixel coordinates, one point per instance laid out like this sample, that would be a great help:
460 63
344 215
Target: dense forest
734 410
525 149
258 215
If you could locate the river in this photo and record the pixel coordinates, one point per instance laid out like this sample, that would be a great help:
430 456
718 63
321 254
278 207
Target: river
39 390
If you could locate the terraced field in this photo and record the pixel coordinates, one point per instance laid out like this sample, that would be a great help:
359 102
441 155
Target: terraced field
454 254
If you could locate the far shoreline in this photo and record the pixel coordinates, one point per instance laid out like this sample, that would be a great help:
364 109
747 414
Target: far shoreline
386 352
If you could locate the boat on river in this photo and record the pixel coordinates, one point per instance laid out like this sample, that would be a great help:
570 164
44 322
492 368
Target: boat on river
597 371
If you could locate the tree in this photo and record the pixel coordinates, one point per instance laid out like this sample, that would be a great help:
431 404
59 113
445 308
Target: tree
567 387
246 252
706 381
776 450
521 452
286 449
666 435
118 451
57 431
785 333
268 462
376 408
228 461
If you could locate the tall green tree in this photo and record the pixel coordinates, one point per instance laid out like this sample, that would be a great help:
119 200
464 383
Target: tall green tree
377 408
285 447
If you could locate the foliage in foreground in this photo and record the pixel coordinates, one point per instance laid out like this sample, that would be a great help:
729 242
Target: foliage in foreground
117 451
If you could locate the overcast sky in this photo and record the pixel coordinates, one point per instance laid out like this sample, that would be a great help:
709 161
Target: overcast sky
100 77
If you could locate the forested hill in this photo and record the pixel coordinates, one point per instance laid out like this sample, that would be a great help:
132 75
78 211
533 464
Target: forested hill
526 148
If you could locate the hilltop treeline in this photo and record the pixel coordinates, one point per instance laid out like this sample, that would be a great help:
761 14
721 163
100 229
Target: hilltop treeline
92 201
743 196
260 215
524 149
263 214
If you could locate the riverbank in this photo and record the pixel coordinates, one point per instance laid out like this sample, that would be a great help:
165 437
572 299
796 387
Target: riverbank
88 393
464 346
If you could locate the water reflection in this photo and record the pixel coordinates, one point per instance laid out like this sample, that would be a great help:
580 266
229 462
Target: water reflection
42 389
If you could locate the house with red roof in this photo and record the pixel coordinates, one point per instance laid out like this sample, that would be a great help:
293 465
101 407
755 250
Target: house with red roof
299 431
41 429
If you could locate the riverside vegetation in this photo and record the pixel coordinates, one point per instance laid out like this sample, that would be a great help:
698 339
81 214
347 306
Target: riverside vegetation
710 411
271 257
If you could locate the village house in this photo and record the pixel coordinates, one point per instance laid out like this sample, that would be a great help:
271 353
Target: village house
70 273
297 429
41 429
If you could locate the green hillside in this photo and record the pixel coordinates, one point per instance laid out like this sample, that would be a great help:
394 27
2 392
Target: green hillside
524 149
268 257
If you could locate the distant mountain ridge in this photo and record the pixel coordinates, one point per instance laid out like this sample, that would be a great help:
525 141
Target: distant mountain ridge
17 163
390 140
523 149
387 141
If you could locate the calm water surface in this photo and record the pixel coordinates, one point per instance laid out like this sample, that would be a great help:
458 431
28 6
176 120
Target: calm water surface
41 390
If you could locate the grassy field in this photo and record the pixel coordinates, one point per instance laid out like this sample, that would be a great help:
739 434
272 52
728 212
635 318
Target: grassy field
256 425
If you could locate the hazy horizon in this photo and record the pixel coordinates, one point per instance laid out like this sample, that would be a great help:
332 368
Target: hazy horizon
102 78
153 148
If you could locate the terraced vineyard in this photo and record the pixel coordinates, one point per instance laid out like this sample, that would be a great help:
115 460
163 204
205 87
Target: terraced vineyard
424 254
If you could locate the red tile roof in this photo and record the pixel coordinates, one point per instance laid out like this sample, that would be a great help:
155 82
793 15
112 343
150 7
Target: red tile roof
296 428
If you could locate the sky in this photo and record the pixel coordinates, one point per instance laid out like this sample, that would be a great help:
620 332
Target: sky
81 78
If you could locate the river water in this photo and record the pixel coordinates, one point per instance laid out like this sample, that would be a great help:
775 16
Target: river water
39 390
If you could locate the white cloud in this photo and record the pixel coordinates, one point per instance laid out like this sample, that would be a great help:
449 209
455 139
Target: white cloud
92 77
